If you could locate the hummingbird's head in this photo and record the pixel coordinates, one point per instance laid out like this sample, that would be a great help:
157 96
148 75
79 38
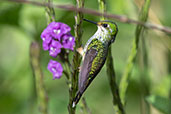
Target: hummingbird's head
106 28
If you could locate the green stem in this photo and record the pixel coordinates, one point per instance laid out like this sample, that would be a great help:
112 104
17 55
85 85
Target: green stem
139 30
84 107
38 75
118 107
50 12
114 87
169 71
76 57
102 8
145 78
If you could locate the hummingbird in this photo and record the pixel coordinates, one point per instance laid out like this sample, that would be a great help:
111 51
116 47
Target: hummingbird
94 54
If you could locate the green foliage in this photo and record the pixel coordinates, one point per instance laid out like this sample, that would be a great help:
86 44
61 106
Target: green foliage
160 103
10 13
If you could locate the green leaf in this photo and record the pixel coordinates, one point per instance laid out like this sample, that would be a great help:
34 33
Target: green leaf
9 13
160 103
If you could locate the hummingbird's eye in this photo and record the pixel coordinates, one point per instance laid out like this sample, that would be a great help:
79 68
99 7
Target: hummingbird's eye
105 25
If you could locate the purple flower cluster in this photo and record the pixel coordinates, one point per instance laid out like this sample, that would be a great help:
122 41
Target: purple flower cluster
56 36
56 69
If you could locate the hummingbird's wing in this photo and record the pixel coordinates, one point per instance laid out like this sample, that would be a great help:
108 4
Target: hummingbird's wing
86 69
93 62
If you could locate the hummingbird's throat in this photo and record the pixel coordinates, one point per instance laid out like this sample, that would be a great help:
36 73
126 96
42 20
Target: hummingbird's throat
103 34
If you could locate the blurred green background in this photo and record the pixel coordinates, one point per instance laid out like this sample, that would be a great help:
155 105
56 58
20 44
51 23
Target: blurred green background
20 24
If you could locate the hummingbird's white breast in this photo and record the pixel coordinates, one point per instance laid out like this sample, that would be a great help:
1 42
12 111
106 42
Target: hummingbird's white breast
100 34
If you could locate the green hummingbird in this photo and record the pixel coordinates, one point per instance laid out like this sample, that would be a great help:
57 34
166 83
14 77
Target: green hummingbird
94 54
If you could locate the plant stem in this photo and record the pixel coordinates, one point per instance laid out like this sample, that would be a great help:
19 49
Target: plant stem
139 30
144 75
118 107
38 75
102 8
114 87
76 57
50 12
85 107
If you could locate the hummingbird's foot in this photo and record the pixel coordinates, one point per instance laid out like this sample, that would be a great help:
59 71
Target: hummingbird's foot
79 68
80 51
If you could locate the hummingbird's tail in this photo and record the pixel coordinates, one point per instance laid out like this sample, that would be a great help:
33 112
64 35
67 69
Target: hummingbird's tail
76 99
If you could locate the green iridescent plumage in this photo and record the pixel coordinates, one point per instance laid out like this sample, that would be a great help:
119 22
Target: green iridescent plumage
93 62
100 56
94 55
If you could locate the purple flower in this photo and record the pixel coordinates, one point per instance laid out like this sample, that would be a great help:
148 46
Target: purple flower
55 48
68 42
56 36
55 68
59 29
55 33
47 38
45 46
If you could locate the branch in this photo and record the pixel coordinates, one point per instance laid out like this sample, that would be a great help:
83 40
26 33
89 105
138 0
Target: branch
76 57
38 75
120 18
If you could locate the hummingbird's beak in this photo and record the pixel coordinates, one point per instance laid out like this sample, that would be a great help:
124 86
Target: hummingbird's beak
90 21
